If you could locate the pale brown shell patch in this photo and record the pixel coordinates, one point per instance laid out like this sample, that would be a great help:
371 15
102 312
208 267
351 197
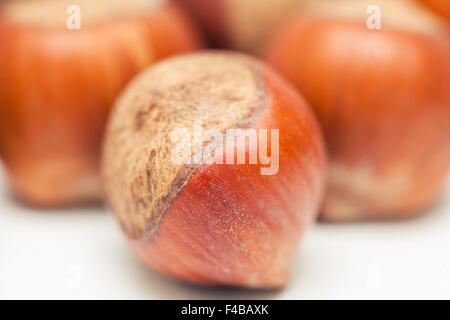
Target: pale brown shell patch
402 15
53 13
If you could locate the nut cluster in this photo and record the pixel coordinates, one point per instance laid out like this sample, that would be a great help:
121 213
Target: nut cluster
347 99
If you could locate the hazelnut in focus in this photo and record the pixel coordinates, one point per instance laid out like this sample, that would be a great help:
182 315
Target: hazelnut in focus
195 205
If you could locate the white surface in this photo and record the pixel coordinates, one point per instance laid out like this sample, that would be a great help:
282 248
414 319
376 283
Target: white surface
81 253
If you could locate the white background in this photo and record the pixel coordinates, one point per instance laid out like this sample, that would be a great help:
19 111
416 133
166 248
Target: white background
81 253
